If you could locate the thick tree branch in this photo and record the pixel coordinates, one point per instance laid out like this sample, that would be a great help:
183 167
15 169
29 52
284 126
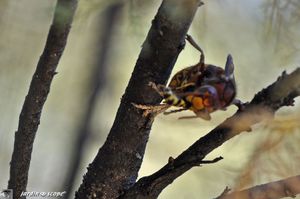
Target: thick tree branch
117 163
39 88
281 93
288 187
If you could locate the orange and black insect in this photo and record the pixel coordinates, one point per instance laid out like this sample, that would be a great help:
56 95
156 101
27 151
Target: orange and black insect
202 88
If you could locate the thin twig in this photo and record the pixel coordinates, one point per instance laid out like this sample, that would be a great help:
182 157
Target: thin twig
211 161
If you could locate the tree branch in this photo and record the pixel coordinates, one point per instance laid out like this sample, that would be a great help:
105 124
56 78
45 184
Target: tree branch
288 187
117 163
38 91
264 104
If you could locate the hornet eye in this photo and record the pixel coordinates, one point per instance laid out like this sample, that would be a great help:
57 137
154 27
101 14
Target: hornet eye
179 77
208 74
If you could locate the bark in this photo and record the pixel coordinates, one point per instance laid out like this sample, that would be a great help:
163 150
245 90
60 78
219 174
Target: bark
118 161
264 104
288 187
38 91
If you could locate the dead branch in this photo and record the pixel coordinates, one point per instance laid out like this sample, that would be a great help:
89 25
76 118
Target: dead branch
264 104
38 91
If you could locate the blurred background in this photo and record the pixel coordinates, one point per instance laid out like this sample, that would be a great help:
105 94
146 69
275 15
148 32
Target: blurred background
104 43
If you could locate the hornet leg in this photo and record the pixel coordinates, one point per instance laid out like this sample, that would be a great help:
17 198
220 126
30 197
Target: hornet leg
190 39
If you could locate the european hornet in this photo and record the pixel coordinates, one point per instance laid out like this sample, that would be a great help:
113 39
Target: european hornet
201 88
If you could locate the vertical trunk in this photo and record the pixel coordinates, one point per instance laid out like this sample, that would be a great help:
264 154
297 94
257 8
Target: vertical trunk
116 166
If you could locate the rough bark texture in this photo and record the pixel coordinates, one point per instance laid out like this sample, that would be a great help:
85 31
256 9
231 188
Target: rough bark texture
39 88
117 163
263 105
288 187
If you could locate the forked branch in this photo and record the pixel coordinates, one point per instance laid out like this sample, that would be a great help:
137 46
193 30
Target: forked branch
263 106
